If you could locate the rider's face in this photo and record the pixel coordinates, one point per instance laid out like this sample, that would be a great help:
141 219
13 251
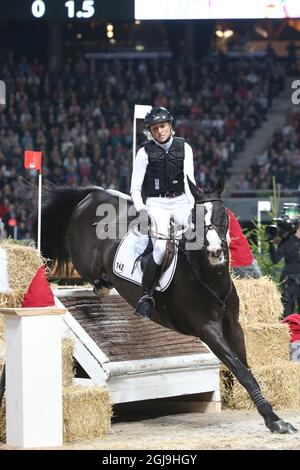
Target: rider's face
161 131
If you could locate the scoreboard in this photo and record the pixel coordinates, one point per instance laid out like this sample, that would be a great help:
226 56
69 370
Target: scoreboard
67 10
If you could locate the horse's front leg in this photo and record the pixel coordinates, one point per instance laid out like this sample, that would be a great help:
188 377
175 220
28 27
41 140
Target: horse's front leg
232 331
212 335
234 336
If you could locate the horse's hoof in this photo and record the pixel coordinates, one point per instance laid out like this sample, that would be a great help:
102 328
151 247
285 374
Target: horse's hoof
281 427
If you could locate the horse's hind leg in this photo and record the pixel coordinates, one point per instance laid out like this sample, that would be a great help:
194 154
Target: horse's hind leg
212 335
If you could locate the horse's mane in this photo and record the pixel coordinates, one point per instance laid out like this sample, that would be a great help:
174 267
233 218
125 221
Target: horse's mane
114 192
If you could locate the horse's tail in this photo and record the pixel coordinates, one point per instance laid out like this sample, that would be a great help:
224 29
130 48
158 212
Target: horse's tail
57 207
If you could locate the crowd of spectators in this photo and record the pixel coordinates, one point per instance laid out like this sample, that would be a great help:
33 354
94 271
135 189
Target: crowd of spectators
80 117
279 159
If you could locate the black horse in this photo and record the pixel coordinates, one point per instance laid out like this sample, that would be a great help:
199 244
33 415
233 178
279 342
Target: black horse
201 299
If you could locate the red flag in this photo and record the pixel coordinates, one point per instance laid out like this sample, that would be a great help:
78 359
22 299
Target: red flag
39 293
33 160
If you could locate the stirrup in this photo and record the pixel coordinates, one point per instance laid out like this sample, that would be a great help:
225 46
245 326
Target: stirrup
145 306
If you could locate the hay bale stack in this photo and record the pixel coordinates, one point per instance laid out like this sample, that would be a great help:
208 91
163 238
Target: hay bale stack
67 362
22 264
2 329
279 384
86 410
87 413
2 357
260 300
266 343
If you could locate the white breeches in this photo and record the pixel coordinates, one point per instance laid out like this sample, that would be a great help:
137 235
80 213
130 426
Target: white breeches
161 210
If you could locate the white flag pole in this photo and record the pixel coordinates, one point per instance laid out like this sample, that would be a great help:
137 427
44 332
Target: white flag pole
39 212
2 93
262 206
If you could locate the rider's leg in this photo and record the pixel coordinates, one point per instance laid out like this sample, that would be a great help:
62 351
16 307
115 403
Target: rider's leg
159 227
151 274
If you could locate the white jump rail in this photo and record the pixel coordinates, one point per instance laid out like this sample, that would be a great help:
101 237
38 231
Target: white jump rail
33 376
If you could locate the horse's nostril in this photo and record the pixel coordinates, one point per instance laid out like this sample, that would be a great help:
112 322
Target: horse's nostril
216 253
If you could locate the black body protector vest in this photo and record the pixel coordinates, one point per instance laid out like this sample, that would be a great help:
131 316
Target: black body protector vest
164 172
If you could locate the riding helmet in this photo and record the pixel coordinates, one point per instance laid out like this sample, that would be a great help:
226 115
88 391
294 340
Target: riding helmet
157 115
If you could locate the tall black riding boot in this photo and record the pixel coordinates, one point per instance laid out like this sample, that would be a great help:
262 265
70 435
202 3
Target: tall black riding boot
146 303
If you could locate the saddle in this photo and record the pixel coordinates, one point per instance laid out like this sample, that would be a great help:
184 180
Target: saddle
133 253
168 258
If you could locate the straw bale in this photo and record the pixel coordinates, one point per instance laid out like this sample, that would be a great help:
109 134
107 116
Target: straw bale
67 362
87 412
266 343
66 271
22 264
279 383
259 300
2 356
2 349
2 328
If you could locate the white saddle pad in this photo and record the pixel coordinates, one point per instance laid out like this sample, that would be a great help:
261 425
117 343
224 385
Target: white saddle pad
130 248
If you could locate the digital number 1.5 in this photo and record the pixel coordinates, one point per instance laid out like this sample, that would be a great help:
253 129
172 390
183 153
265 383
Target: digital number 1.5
87 9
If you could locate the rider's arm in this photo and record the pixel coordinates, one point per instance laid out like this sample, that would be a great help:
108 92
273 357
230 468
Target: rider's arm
138 175
188 169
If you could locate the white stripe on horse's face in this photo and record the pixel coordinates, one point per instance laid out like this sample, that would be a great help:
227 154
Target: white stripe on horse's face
214 246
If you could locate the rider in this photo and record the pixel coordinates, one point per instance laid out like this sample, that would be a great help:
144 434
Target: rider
159 178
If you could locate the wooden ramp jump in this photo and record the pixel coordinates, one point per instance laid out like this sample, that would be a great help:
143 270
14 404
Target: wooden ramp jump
136 359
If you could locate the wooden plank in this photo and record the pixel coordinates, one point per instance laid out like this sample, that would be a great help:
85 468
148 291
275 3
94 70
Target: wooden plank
112 325
33 311
89 363
124 389
167 363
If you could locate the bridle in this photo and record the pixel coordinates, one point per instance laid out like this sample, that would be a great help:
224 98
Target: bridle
215 227
211 226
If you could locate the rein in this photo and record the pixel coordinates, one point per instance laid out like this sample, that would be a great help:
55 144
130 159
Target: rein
220 301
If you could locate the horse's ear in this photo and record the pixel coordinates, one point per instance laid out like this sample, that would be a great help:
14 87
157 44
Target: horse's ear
196 192
219 186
